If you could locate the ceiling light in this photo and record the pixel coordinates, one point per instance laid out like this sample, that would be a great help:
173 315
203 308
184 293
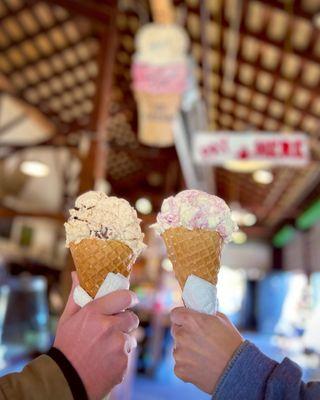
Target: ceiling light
239 237
245 166
263 176
102 185
35 168
241 216
249 219
144 205
167 265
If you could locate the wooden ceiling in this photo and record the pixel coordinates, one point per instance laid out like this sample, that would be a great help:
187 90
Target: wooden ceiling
58 56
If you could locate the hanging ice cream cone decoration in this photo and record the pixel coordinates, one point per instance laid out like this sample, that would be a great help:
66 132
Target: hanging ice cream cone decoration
159 75
162 11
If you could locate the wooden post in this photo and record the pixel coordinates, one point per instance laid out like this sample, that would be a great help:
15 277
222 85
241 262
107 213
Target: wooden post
94 164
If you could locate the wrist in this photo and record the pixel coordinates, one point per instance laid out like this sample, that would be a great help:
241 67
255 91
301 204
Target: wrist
245 375
70 373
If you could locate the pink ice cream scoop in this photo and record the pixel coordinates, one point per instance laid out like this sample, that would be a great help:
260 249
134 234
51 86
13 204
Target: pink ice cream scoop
194 209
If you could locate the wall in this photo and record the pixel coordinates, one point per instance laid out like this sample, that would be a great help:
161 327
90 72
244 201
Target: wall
255 257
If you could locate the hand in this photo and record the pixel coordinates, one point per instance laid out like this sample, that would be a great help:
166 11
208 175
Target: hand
204 345
96 340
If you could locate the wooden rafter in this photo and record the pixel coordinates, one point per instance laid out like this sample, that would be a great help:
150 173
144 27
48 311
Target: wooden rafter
295 5
101 12
9 213
262 37
13 13
94 166
12 123
303 184
28 36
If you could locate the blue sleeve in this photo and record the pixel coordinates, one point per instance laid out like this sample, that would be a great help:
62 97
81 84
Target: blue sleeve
251 375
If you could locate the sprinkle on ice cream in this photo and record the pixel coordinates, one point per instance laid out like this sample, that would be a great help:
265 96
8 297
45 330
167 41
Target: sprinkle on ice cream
194 209
99 216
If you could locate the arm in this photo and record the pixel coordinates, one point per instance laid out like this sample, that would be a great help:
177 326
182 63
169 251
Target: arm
87 342
236 368
252 375
33 382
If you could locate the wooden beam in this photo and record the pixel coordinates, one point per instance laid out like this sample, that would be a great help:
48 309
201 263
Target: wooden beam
100 12
12 123
295 4
303 183
94 166
10 213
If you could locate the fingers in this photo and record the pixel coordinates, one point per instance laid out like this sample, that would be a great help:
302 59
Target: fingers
176 331
124 343
71 307
180 373
126 322
193 320
114 303
185 317
222 316
75 279
178 315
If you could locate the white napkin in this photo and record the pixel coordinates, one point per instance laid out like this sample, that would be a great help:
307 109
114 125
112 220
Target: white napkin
200 295
112 283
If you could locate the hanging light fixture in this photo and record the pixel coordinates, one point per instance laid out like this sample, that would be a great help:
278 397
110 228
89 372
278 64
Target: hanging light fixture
36 169
263 176
239 237
242 216
144 206
245 166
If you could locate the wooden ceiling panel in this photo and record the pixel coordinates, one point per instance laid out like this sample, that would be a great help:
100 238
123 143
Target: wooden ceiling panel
51 57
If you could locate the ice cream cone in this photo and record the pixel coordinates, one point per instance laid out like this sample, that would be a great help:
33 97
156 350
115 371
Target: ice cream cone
195 251
95 258
156 116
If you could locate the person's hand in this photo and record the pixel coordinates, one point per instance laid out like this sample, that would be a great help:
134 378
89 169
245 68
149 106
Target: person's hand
203 346
96 339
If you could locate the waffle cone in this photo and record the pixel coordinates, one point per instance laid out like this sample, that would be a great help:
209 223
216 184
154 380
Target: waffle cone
95 258
196 252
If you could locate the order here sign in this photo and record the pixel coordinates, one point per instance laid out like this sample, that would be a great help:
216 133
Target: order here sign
216 148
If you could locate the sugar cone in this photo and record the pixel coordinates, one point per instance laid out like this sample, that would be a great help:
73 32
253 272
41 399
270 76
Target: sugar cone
156 114
196 252
95 258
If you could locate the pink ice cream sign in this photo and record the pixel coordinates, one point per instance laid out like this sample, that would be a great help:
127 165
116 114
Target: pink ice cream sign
216 148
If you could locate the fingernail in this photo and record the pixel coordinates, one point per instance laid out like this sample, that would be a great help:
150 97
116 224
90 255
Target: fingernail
134 300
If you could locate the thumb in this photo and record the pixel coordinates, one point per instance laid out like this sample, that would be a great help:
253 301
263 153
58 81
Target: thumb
71 307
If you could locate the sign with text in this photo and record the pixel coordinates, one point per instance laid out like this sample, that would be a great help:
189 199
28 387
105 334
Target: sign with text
216 148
